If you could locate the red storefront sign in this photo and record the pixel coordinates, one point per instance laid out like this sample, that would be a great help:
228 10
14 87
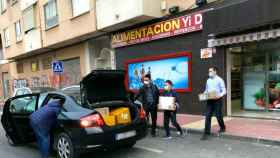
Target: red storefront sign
172 27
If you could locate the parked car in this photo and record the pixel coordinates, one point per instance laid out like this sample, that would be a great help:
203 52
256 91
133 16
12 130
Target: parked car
80 126
27 90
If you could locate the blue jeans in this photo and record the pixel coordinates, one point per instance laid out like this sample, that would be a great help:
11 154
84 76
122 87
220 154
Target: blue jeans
43 139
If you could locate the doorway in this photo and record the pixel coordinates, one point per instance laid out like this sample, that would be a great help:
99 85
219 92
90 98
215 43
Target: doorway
255 80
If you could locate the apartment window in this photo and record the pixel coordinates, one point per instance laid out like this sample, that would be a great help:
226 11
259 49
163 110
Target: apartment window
35 65
79 7
18 31
29 18
51 16
7 37
19 67
47 63
3 5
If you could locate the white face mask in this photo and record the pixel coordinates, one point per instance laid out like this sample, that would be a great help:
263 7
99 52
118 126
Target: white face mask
212 74
146 82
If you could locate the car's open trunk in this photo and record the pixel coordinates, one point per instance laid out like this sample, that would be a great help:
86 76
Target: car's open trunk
105 92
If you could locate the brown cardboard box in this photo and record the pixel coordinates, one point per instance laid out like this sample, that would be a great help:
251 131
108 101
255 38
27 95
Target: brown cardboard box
109 120
212 95
207 96
122 115
103 111
167 103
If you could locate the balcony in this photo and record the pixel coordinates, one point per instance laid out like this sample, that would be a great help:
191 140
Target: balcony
114 15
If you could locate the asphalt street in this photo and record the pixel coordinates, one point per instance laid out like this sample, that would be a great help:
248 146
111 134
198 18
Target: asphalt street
188 147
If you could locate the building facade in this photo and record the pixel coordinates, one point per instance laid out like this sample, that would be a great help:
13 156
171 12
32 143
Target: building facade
36 32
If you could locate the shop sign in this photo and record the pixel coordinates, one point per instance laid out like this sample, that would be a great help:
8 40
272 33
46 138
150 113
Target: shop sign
207 53
251 37
168 28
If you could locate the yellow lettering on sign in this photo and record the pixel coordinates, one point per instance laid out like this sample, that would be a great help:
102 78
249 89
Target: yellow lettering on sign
157 29
138 34
175 24
150 31
132 35
167 26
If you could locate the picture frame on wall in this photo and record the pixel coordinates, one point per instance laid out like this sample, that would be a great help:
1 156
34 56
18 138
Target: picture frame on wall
174 66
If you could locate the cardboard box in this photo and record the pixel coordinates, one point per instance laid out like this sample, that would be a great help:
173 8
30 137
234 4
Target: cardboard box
202 97
110 120
212 95
122 115
167 103
103 111
207 96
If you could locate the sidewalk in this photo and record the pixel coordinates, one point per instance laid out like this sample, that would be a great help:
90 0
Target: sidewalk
259 130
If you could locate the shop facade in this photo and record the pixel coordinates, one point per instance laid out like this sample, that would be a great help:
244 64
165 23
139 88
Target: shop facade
248 35
169 48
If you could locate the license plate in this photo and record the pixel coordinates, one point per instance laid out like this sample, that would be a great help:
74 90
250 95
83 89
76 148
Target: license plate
125 135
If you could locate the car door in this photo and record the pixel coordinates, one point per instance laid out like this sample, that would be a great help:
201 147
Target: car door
15 119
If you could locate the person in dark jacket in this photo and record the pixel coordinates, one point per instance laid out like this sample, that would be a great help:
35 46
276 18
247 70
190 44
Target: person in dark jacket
171 115
149 95
42 122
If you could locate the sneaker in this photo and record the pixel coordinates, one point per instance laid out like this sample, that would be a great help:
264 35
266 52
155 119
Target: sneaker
167 138
181 134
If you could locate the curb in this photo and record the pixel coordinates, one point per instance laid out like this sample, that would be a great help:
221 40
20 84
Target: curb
231 137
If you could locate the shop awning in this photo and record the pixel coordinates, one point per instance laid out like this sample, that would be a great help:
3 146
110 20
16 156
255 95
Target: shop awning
243 38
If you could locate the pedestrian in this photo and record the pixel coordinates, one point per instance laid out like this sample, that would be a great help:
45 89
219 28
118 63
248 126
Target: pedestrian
214 84
149 95
42 121
171 115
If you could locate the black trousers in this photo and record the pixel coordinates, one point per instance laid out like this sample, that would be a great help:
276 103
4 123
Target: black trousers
153 113
170 115
214 106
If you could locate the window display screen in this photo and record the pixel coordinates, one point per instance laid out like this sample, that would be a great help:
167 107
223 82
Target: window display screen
174 67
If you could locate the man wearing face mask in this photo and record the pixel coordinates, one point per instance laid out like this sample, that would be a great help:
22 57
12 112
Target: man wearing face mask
149 95
171 115
214 84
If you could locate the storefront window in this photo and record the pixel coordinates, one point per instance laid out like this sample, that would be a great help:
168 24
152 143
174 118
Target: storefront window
255 77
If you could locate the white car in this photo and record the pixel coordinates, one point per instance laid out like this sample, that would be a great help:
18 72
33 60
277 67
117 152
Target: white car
27 90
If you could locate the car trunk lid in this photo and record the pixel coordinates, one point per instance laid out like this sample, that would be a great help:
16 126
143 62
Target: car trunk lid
102 86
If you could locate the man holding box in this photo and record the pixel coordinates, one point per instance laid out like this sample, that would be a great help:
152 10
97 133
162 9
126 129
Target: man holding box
171 115
215 90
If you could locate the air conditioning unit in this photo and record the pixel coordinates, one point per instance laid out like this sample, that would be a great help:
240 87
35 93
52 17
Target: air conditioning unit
105 59
113 15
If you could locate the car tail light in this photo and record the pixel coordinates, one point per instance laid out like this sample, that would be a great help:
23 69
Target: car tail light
142 113
94 120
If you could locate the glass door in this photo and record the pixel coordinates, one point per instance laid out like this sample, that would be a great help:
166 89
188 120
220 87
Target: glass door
254 78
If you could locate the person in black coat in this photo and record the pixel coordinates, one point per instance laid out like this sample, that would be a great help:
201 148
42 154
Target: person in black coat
149 95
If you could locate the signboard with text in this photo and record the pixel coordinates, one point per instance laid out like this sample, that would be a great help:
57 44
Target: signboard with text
168 28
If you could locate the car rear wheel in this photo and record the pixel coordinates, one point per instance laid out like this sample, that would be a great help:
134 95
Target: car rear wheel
130 145
10 141
65 148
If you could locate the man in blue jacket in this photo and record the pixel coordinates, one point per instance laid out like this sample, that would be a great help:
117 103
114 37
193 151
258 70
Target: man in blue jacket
42 121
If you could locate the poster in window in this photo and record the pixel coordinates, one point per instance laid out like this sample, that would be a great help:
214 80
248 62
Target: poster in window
175 67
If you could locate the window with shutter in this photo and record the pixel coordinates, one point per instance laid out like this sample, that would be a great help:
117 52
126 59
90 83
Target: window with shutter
80 6
29 18
51 16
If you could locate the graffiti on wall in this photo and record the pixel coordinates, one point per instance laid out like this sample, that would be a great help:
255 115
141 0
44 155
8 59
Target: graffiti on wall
46 80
